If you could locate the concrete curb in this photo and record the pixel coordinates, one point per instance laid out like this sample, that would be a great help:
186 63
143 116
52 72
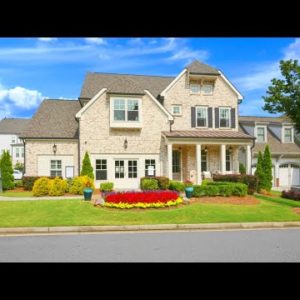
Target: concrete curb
162 227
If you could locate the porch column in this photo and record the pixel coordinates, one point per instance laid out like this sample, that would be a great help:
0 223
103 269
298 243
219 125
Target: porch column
248 159
223 159
198 163
170 160
276 181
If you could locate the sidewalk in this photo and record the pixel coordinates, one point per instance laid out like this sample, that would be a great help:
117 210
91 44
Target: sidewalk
3 198
145 228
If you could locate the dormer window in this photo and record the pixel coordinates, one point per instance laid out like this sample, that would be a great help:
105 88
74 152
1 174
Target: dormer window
195 88
207 88
288 135
261 134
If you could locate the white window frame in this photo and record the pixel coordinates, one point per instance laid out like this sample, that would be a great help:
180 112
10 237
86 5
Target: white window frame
56 169
265 133
283 134
195 84
18 152
196 111
151 164
180 110
207 84
230 160
229 124
22 152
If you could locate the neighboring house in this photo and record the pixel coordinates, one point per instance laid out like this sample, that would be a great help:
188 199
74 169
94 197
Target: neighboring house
136 125
279 134
10 129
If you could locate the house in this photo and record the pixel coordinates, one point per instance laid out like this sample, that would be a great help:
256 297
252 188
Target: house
279 134
10 130
137 125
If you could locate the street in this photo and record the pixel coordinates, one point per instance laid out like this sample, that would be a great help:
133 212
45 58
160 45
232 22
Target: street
276 245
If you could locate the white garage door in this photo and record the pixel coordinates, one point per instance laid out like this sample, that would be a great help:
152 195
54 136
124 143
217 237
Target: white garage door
289 174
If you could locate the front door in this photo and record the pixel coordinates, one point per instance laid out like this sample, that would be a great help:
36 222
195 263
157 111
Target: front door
176 165
126 174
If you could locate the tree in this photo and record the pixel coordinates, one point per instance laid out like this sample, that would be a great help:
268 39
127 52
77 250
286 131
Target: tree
259 173
87 168
7 171
267 169
242 168
284 94
19 166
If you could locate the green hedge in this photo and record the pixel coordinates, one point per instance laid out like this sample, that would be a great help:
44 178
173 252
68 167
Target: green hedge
176 186
28 181
106 186
162 182
149 184
226 189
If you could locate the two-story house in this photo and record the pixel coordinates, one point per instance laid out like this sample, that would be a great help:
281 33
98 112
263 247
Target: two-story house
279 134
10 130
136 125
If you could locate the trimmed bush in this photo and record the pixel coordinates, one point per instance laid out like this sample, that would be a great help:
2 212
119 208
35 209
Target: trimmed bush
211 190
41 187
242 169
199 190
226 190
206 182
57 187
7 171
293 195
240 189
163 182
79 183
176 186
87 169
149 184
106 186
65 184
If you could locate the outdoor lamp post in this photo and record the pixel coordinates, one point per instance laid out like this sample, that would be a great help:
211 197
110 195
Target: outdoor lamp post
54 148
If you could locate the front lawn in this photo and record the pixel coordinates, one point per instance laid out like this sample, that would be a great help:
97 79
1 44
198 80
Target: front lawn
16 193
78 212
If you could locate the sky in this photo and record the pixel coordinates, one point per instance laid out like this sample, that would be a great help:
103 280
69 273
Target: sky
32 69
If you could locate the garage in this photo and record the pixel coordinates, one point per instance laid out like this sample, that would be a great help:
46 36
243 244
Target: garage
289 174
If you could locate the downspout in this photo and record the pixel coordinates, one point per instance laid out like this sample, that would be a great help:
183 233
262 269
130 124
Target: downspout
24 169
78 147
171 123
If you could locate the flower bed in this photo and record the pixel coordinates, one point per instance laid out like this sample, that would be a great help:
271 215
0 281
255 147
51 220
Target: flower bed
145 199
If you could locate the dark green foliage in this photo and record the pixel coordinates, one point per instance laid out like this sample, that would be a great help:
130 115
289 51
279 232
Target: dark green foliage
87 168
242 169
106 186
211 190
7 171
267 169
163 182
225 189
259 172
149 184
176 186
283 95
199 190
19 166
28 182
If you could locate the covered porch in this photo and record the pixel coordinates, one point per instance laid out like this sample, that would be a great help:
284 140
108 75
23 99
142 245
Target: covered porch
191 158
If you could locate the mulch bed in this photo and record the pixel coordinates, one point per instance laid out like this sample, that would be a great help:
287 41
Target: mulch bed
248 200
296 210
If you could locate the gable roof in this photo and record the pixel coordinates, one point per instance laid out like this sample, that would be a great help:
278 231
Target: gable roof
94 82
207 134
198 67
253 119
54 119
13 125
125 86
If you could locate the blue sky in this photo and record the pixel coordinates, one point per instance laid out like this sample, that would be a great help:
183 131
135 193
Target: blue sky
32 69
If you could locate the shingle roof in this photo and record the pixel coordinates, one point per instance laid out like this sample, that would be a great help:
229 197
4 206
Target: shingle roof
125 86
198 67
94 82
13 125
252 119
207 134
54 119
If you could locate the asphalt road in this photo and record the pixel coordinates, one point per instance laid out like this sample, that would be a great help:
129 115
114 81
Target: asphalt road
276 245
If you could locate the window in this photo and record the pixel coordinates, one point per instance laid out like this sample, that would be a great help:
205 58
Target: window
176 161
201 116
203 161
207 89
261 135
101 169
55 168
288 137
17 152
176 110
228 160
149 167
22 152
132 168
224 117
119 169
126 110
195 88
13 140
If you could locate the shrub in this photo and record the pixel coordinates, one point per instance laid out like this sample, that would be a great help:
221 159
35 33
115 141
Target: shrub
79 183
176 186
206 181
7 171
19 166
106 186
149 184
267 169
57 187
18 183
41 187
188 183
226 190
28 182
242 169
163 182
211 190
66 184
293 195
239 189
199 190
87 169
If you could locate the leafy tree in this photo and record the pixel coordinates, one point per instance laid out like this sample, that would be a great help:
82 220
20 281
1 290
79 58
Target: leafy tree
19 166
259 171
87 168
242 169
7 171
267 169
284 94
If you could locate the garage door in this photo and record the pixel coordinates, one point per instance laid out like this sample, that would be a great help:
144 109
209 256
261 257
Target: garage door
289 174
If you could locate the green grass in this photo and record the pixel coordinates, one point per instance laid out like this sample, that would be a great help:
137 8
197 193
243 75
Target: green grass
16 194
78 212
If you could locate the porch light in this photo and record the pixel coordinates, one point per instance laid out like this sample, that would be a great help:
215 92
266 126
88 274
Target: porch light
54 148
125 143
205 149
230 149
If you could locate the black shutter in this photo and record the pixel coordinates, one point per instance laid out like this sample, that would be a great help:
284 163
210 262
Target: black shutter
233 118
210 121
216 117
193 116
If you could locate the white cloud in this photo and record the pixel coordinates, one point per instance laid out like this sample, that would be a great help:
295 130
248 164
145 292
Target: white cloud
188 54
47 40
96 41
4 111
293 50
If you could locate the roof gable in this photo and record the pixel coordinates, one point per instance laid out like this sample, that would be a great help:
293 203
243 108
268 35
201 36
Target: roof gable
13 125
198 67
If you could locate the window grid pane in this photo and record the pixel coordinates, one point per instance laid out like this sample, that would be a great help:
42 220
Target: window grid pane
55 168
148 163
224 117
101 169
176 162
119 169
203 161
201 116
287 134
132 169
228 161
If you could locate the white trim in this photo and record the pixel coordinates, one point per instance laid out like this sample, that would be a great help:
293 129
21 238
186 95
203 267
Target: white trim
163 93
180 108
195 93
255 133
90 103
232 87
170 117
282 134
